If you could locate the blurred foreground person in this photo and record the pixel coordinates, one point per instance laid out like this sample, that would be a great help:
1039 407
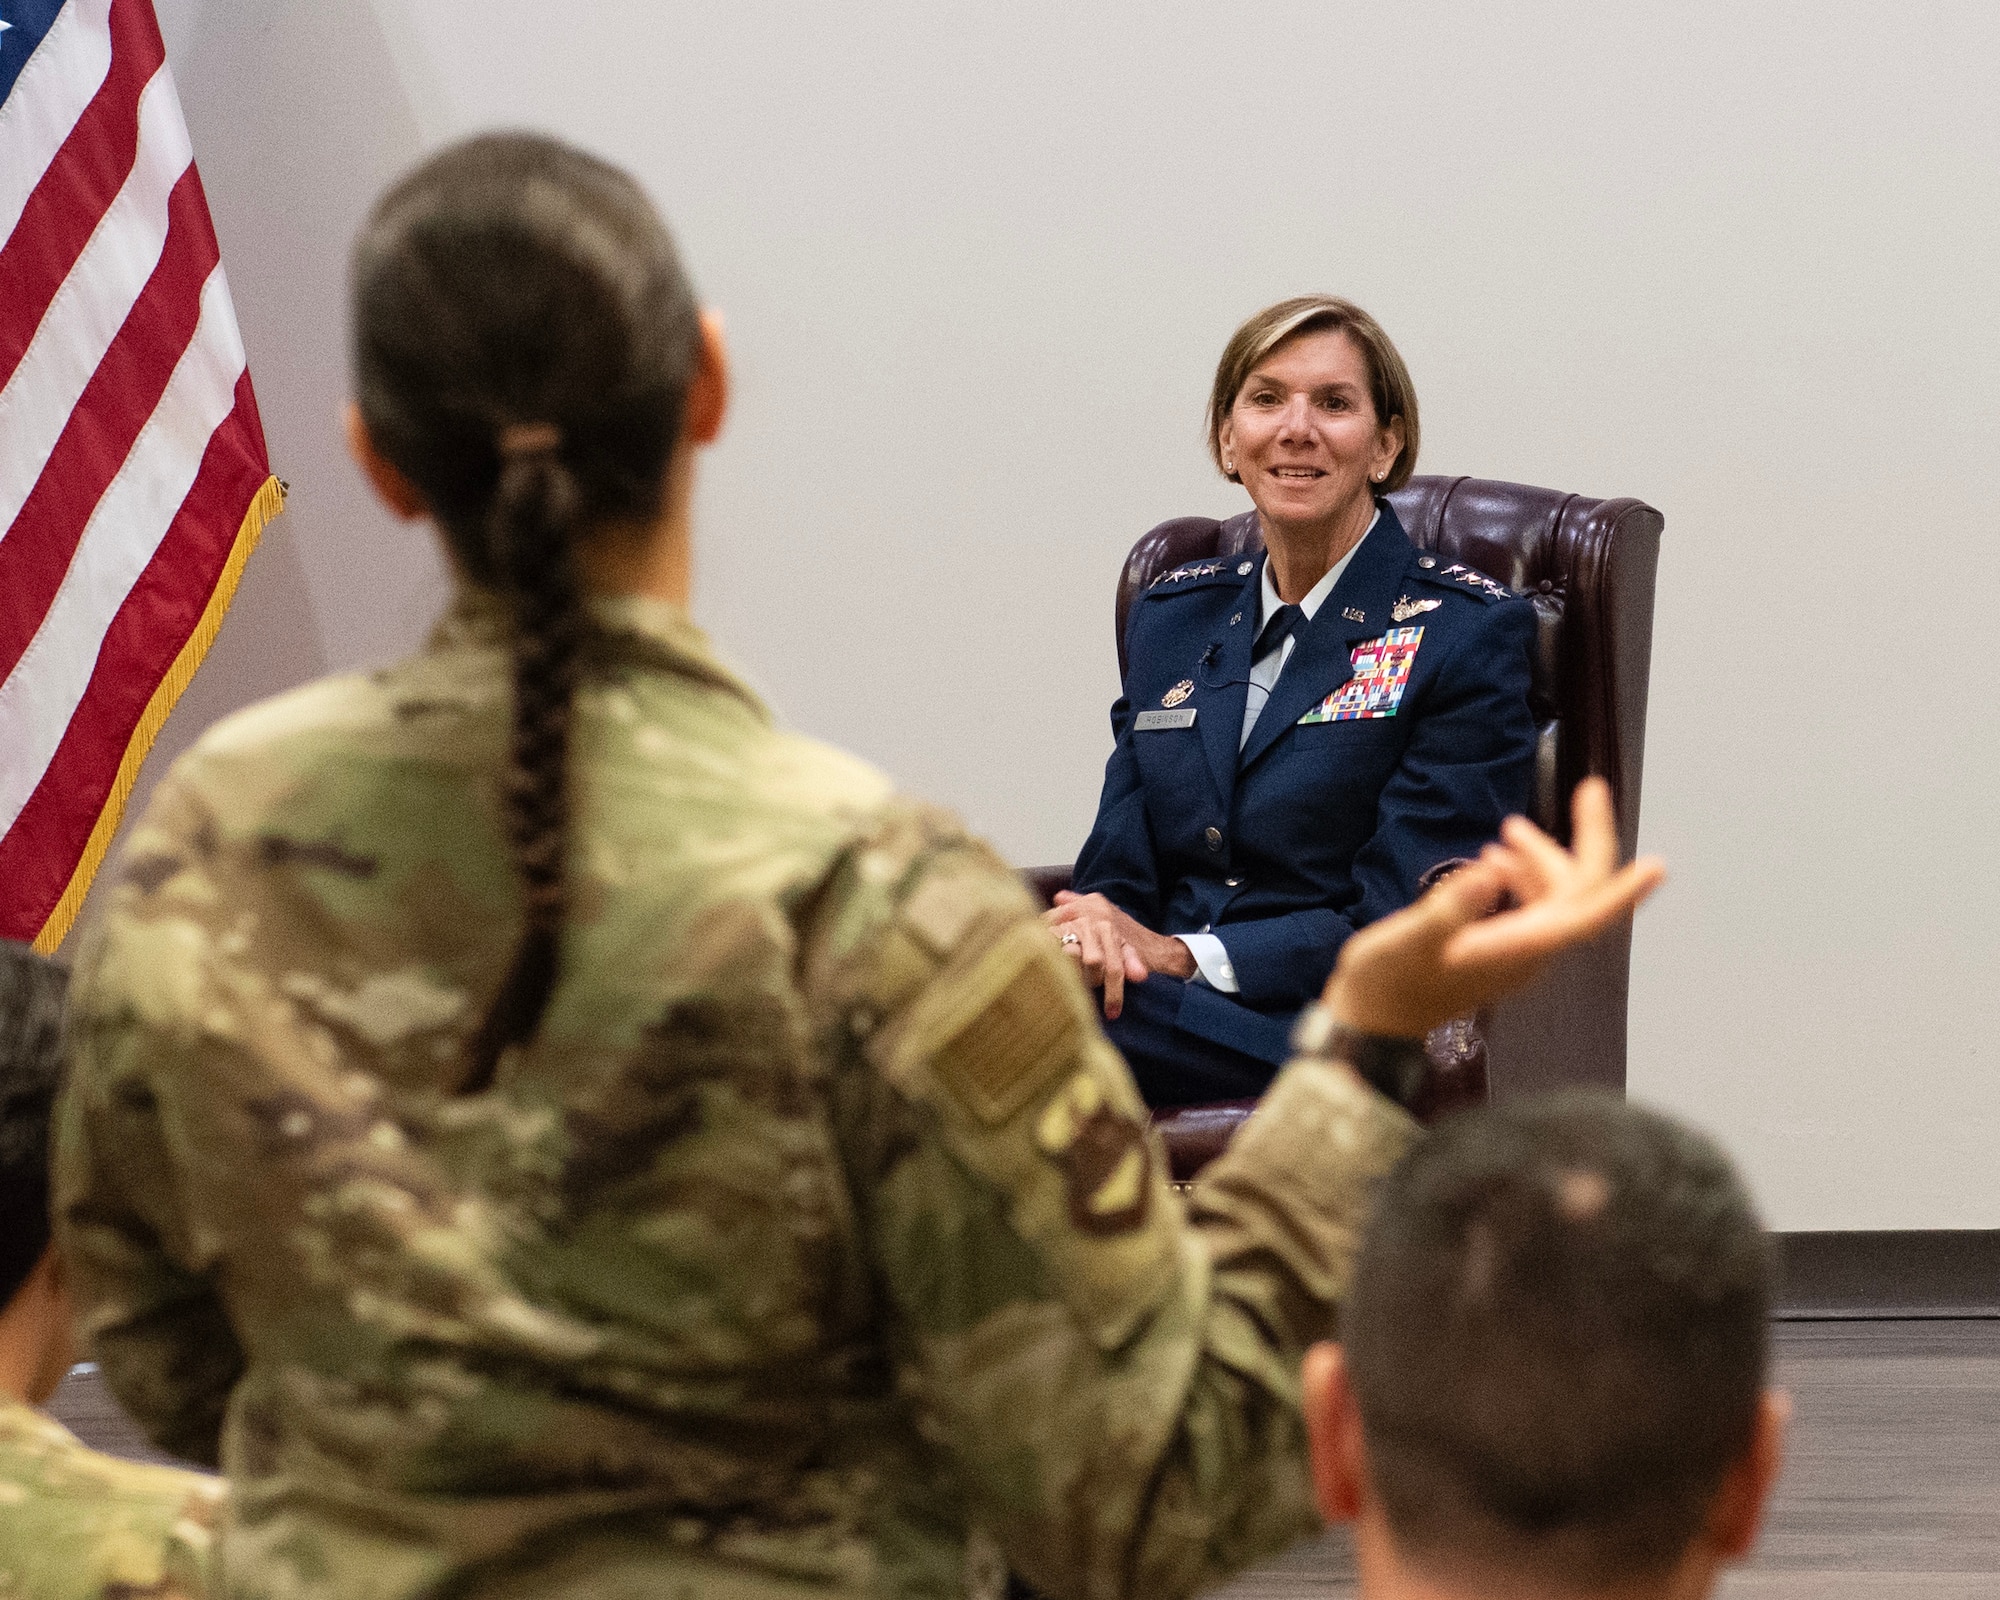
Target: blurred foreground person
549 1132
74 1524
1552 1375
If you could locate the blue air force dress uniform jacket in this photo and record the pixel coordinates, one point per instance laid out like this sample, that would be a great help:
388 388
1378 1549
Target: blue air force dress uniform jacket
1397 737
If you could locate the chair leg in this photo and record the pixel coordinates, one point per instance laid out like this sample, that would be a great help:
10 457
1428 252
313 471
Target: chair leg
1458 1058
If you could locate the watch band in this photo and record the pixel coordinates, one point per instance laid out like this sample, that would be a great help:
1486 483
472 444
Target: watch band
1393 1067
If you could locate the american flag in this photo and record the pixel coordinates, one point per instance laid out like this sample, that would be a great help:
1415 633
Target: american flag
133 476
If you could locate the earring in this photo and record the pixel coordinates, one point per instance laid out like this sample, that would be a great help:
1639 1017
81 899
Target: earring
1228 463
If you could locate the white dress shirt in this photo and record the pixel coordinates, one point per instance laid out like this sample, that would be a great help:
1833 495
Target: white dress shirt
1209 955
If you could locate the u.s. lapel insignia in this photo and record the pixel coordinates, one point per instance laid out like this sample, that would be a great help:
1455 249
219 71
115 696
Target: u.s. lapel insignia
1406 608
1178 693
1353 614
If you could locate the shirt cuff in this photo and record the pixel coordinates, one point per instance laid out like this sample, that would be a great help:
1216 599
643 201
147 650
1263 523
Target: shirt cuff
1212 959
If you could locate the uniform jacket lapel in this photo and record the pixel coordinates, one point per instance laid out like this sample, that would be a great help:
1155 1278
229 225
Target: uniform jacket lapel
1322 660
1221 720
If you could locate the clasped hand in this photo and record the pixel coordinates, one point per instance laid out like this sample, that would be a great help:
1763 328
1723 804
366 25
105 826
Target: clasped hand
1112 948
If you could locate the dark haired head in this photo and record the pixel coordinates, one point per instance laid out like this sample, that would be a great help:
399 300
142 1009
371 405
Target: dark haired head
524 342
1557 1340
31 1028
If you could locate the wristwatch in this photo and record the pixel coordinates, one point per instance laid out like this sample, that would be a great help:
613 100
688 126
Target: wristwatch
1395 1067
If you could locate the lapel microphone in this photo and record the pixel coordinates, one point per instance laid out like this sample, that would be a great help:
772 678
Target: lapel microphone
1204 669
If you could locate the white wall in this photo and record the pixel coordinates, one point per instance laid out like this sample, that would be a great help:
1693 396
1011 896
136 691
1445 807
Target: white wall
978 262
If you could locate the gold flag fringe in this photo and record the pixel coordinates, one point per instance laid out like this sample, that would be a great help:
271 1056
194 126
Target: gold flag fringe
267 503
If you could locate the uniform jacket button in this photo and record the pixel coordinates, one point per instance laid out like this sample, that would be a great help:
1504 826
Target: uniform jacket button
1214 838
1232 883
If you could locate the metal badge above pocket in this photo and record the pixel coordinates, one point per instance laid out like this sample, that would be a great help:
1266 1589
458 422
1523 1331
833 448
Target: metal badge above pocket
1148 721
1381 672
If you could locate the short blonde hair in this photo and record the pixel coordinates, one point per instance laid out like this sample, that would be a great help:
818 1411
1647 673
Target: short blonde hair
1389 385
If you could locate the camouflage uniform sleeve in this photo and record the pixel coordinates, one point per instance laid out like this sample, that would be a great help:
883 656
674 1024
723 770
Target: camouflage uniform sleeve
1116 1381
145 1305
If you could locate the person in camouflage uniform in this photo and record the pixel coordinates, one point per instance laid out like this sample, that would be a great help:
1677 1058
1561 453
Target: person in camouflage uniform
74 1524
548 1131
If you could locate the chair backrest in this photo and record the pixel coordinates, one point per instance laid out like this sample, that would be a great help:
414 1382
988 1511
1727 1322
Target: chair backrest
1588 566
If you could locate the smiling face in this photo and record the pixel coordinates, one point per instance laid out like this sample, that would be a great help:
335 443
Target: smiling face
1302 435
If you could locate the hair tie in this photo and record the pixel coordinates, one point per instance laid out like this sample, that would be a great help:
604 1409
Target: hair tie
521 439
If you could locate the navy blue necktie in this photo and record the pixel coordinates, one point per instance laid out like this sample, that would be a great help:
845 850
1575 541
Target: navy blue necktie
1278 627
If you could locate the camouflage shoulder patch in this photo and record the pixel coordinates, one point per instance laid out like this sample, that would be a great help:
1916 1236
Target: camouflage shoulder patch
1009 1028
1106 1160
941 910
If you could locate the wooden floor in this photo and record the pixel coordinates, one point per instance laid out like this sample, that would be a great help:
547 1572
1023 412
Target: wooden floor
1892 1487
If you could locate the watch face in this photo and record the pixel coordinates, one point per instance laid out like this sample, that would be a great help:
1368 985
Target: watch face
1313 1031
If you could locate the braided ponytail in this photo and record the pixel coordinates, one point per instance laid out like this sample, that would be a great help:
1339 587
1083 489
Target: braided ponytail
530 533
510 277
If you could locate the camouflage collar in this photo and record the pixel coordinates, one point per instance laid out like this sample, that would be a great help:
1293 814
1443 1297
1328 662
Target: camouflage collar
632 631
21 1423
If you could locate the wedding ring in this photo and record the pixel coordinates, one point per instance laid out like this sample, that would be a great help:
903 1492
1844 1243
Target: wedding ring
1070 938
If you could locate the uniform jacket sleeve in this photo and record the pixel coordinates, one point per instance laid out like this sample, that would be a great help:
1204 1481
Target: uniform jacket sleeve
1119 860
1283 961
147 1310
1114 1380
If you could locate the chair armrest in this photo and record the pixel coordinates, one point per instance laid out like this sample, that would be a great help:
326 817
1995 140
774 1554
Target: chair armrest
1196 1135
1045 882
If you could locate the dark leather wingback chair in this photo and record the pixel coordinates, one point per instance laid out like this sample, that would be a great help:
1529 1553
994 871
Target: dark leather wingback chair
1588 566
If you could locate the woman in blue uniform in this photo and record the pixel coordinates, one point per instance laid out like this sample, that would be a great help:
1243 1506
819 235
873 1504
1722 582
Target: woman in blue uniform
1307 733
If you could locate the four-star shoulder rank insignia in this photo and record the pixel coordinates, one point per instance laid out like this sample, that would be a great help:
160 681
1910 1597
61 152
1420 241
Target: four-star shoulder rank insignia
1406 608
1477 580
1178 693
1200 569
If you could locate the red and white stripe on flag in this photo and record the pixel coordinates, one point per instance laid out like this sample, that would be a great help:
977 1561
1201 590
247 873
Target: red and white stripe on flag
134 480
